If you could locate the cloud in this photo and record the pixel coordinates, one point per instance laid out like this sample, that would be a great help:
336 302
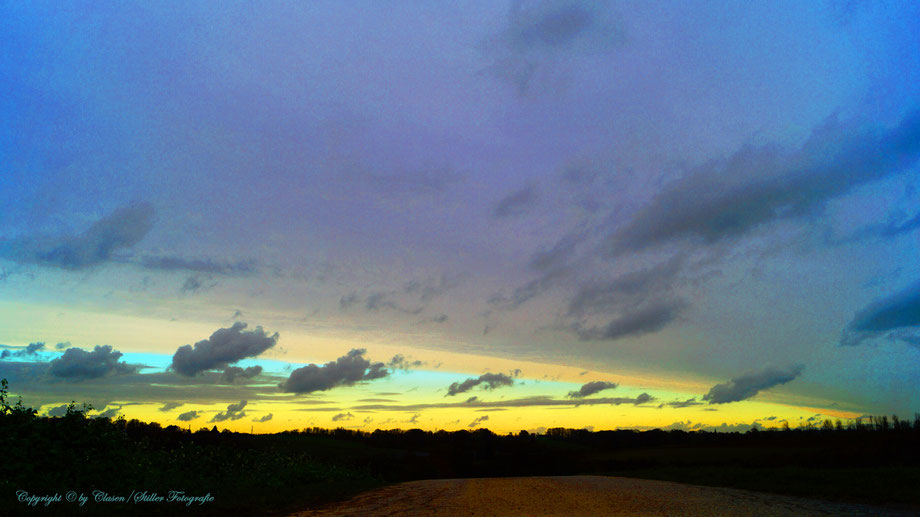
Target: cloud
57 411
375 302
31 350
749 384
634 322
627 290
234 412
121 229
431 287
539 401
62 346
196 283
342 416
728 199
897 312
232 373
639 302
591 388
547 280
109 413
677 404
169 406
344 371
516 202
207 265
401 363
556 257
264 418
478 421
225 346
188 416
538 33
491 381
78 364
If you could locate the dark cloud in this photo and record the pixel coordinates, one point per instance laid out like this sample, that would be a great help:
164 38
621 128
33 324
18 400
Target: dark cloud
401 363
431 287
119 230
208 266
478 421
188 416
349 300
627 290
78 364
491 381
342 416
540 401
31 350
639 302
516 202
232 373
528 291
896 314
556 257
234 412
57 411
109 413
728 199
749 384
677 404
62 346
541 32
169 406
225 346
376 302
344 371
264 418
642 398
196 283
591 388
634 322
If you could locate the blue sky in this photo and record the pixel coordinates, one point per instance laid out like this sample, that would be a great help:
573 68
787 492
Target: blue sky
669 196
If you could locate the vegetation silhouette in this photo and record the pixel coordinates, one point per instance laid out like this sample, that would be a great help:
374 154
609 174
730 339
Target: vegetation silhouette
871 460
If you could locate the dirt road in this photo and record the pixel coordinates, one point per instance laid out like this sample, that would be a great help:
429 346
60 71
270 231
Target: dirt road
572 496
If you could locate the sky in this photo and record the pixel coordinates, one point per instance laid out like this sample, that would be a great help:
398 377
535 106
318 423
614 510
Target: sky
519 216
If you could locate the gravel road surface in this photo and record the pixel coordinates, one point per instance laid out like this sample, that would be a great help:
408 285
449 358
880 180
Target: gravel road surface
572 496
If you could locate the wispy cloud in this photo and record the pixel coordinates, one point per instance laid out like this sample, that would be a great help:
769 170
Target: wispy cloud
490 381
120 230
591 388
897 315
729 199
746 386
